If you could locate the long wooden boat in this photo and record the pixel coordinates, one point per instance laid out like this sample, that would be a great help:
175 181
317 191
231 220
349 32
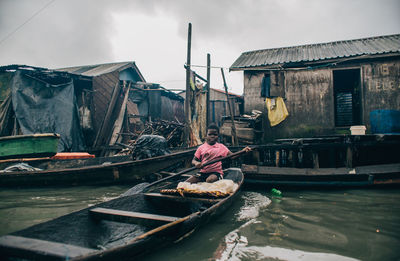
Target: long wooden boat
120 229
33 145
89 171
362 176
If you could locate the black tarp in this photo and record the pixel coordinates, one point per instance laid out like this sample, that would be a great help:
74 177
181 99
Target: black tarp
148 146
47 105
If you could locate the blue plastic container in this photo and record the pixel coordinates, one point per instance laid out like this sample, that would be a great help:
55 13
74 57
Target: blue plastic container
385 121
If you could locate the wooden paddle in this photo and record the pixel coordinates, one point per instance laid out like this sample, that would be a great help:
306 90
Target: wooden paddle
205 164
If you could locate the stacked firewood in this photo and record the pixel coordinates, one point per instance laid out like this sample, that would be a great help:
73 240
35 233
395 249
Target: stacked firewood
171 131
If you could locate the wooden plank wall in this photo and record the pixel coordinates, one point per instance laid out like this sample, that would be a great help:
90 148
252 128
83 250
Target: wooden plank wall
381 87
103 87
309 96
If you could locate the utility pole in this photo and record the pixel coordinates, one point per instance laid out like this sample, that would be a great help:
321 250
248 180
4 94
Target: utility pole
187 100
208 89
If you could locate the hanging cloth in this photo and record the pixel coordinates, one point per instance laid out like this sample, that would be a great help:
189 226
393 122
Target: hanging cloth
277 111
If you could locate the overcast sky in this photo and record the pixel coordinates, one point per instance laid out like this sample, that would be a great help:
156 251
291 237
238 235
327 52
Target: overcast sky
62 33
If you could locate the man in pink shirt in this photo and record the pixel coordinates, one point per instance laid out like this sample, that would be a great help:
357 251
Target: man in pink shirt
210 150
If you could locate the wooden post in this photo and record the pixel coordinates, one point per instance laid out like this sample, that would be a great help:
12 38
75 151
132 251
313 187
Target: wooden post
208 89
187 99
315 159
349 157
234 136
277 158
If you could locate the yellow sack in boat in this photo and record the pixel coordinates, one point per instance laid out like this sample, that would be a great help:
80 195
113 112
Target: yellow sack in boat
277 111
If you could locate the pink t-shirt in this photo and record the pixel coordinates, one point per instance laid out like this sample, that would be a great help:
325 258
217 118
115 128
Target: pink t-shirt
207 152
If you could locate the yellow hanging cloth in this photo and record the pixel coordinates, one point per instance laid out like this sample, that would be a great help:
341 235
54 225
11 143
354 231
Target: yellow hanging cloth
277 111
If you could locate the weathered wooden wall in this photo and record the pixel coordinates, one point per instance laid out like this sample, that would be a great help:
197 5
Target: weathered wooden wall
103 87
381 87
309 100
309 96
219 107
252 91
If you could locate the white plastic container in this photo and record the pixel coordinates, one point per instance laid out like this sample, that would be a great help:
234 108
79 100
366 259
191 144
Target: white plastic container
358 130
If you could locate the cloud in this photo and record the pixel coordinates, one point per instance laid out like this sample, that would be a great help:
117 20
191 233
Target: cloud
154 32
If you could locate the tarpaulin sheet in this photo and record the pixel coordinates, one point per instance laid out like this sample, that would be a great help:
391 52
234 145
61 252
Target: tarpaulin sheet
41 107
148 146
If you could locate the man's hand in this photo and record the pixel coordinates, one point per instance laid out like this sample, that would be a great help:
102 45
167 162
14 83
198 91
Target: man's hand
246 149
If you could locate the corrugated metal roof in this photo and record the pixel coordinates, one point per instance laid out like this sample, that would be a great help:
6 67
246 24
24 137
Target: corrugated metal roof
99 69
317 52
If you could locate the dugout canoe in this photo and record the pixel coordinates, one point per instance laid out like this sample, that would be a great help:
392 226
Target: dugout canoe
121 229
31 145
362 176
88 171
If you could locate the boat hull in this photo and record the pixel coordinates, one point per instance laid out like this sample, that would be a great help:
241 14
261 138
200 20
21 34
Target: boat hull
365 176
28 146
91 171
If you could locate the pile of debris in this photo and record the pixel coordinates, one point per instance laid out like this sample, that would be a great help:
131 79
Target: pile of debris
155 139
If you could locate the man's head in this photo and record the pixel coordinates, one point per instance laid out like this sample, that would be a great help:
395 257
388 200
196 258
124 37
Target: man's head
212 134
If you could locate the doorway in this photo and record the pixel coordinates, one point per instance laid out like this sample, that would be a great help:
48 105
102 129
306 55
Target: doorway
347 94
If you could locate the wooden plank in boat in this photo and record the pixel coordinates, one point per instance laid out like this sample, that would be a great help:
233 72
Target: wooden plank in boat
31 247
130 216
180 198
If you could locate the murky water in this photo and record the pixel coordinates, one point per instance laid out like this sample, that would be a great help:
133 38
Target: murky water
302 225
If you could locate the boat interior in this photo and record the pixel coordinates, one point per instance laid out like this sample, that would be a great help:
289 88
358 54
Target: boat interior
114 223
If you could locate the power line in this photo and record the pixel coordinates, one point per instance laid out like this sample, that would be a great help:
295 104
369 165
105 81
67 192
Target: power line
27 21
205 66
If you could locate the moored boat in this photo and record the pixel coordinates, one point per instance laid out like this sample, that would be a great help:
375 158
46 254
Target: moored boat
27 146
87 171
123 228
361 176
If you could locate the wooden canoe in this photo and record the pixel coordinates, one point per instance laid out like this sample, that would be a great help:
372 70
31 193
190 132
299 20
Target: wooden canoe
89 171
121 229
27 146
362 176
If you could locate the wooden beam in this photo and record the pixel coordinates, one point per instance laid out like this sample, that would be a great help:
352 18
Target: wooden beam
197 75
129 216
159 196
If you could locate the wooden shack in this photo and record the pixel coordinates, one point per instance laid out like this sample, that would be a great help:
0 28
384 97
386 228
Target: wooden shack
326 87
104 99
92 107
110 84
219 106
